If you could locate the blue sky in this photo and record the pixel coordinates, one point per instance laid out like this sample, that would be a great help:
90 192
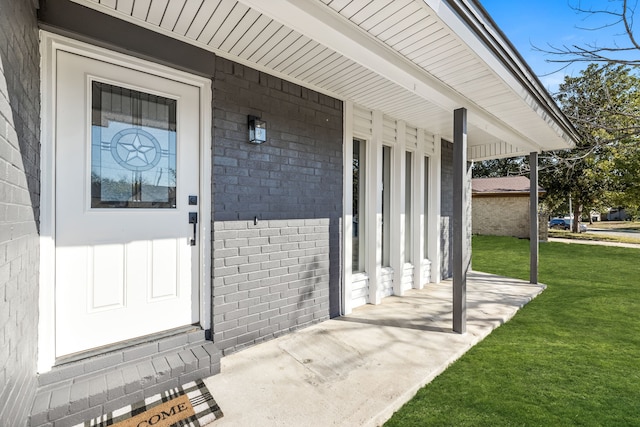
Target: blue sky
552 22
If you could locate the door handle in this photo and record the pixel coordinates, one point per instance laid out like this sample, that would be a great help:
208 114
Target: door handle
193 219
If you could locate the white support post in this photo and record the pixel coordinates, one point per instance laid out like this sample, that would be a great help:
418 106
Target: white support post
397 208
418 215
435 228
345 294
374 209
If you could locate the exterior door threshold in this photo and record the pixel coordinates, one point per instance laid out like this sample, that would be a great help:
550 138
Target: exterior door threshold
120 346
92 385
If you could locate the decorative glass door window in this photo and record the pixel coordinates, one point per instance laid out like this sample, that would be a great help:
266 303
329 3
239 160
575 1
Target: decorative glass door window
133 149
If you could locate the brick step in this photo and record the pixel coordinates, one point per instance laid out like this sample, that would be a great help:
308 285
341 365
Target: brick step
87 388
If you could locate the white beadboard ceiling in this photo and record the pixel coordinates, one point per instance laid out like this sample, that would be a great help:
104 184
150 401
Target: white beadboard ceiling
414 60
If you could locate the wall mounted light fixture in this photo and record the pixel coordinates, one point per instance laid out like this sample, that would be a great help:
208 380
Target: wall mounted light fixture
257 130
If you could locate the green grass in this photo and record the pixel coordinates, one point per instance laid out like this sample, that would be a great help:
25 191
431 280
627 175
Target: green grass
564 234
616 225
607 225
570 357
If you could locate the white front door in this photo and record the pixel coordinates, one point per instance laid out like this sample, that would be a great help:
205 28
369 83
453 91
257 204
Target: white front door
127 180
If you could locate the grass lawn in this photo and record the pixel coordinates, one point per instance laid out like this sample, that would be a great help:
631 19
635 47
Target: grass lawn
617 225
570 357
565 234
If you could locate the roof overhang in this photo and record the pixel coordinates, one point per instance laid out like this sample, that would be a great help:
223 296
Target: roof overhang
414 60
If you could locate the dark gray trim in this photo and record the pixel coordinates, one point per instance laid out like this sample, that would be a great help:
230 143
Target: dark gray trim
533 218
82 23
461 202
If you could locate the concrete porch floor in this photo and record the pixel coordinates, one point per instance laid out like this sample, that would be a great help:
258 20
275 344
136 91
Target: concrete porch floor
359 369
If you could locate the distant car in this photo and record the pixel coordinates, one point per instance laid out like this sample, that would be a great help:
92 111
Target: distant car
559 224
565 224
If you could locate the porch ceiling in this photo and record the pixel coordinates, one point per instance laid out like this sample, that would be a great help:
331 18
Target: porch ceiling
415 60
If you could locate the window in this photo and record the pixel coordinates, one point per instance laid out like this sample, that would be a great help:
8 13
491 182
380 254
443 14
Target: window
133 149
386 206
359 230
408 181
425 208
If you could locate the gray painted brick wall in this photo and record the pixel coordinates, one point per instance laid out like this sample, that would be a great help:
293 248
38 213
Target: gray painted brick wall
269 278
19 208
284 272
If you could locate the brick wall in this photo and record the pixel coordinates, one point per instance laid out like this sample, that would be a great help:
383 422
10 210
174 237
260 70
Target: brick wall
270 278
19 208
74 392
282 271
501 216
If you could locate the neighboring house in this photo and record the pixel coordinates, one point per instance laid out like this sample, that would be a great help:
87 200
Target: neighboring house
500 206
618 214
143 236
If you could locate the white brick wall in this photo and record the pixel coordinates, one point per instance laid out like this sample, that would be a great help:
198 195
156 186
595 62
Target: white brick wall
385 288
407 276
19 208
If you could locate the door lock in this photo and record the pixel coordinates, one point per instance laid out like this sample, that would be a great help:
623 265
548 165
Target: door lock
193 219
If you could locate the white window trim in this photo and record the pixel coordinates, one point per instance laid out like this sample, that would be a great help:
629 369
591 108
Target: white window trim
435 183
426 145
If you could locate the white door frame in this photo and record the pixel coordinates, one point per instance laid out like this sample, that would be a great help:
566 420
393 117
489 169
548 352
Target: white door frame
49 46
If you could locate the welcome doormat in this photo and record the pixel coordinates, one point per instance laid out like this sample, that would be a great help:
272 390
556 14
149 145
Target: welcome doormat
188 406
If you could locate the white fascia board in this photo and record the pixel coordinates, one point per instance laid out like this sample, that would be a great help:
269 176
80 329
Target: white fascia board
468 36
317 22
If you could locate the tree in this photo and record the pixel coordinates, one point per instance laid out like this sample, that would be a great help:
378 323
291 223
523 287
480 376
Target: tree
500 167
626 48
603 103
612 118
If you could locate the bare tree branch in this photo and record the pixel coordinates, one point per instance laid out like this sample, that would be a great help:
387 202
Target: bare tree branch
627 16
591 52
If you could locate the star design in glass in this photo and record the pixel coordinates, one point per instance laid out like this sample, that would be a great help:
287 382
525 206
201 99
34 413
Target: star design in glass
137 149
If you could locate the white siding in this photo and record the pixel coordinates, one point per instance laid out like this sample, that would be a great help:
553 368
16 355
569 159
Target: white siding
378 281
